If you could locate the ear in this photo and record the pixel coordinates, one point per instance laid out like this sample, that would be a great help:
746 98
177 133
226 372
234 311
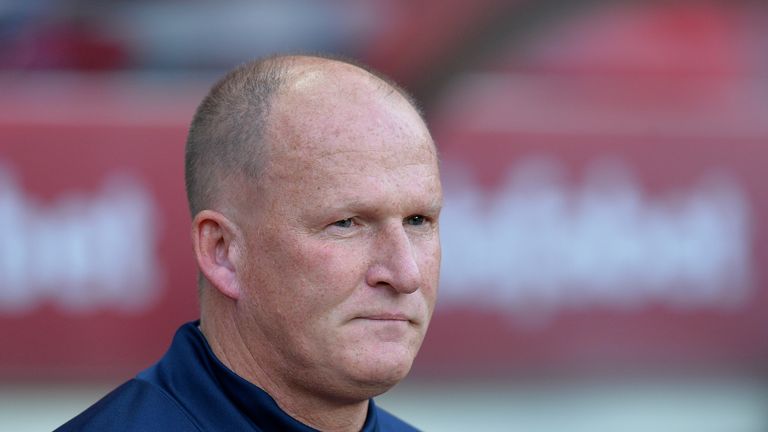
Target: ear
217 250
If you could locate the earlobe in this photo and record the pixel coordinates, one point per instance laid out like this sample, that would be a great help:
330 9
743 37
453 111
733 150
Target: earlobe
215 241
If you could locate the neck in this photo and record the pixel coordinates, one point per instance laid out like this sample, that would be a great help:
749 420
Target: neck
311 408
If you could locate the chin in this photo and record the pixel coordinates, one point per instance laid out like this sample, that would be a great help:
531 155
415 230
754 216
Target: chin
379 374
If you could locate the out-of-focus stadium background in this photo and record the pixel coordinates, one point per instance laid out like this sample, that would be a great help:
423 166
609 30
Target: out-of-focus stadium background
605 227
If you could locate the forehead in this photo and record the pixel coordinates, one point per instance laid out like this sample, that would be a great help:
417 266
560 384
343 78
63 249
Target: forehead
337 109
344 137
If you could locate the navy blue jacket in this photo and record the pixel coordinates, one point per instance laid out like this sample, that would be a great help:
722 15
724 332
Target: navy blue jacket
189 389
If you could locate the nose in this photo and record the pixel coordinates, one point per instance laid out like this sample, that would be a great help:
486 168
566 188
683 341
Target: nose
394 262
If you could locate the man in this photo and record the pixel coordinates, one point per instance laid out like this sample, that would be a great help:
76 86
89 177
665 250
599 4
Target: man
315 195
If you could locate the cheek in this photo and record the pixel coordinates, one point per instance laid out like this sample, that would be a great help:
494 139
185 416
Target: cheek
323 274
429 265
335 267
429 254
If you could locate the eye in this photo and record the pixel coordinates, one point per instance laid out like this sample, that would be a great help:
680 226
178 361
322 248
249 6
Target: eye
344 223
416 220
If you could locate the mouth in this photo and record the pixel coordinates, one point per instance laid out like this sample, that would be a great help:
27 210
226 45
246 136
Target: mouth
393 317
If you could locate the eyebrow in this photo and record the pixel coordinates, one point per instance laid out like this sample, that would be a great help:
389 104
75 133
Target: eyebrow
434 206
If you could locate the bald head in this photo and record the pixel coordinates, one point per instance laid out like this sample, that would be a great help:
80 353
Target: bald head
228 138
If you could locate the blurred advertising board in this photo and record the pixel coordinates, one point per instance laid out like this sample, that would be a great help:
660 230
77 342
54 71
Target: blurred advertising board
565 244
582 231
96 267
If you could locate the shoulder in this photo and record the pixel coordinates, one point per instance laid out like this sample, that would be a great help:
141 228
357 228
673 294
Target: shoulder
390 423
134 406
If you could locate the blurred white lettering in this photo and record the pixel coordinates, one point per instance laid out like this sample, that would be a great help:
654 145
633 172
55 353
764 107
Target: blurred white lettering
83 253
540 245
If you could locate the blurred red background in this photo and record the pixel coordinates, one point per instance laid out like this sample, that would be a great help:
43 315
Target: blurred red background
603 162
